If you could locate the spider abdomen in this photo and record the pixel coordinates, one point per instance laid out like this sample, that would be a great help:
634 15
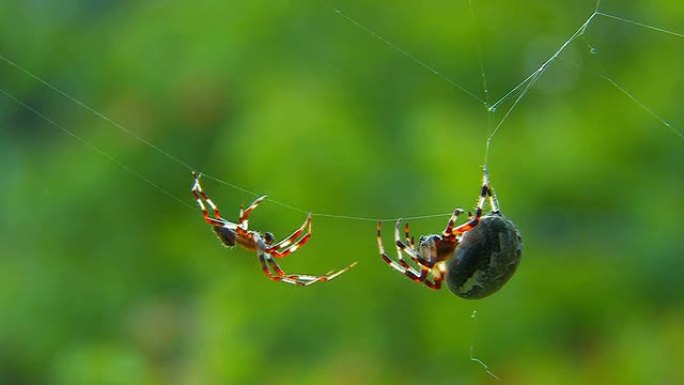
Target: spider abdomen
225 235
485 259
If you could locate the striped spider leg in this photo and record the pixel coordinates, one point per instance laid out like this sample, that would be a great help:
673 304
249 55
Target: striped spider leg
231 234
428 255
486 192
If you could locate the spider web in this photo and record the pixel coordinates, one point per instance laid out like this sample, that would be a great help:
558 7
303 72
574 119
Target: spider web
513 97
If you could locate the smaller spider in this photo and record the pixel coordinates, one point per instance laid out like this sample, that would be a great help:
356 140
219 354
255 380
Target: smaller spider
230 234
477 257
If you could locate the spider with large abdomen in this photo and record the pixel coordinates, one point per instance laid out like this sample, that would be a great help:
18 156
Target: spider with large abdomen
477 258
231 234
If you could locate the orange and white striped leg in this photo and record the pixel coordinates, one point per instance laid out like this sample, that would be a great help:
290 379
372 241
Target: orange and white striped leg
417 255
273 271
244 214
400 266
493 202
474 221
201 197
422 277
448 231
409 239
288 245
428 267
409 249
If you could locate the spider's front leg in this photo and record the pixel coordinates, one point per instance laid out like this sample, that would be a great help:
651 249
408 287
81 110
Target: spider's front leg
402 266
244 214
283 248
242 228
409 249
409 239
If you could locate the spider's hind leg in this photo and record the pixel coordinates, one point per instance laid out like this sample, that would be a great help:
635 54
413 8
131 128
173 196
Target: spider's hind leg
485 192
202 197
273 271
493 202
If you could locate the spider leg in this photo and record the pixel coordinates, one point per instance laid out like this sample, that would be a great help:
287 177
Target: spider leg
268 264
283 248
409 239
202 197
332 274
485 192
242 227
273 271
244 214
448 231
401 246
406 269
401 266
493 202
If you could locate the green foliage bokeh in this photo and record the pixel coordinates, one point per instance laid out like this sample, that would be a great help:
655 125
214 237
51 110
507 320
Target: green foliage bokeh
106 279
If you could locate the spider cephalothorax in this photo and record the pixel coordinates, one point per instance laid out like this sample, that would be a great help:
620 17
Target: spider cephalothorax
231 234
477 257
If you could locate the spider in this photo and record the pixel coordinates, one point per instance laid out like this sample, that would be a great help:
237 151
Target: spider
477 257
230 234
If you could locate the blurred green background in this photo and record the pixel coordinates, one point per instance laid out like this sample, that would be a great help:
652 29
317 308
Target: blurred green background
104 279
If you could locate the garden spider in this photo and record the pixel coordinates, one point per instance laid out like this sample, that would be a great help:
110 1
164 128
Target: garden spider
230 234
477 257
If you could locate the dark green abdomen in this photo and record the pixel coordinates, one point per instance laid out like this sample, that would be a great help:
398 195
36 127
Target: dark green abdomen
485 259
